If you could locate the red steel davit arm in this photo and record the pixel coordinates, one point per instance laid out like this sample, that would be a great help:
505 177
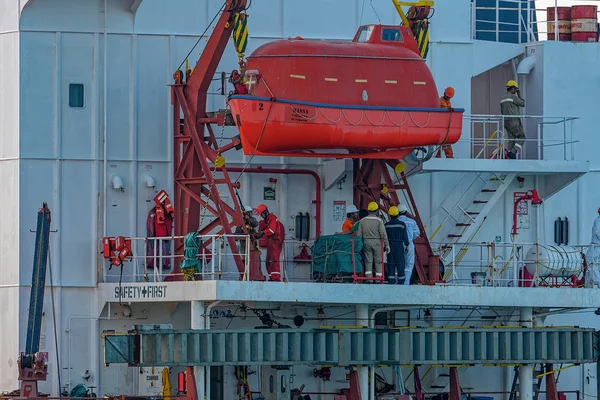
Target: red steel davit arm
196 90
196 148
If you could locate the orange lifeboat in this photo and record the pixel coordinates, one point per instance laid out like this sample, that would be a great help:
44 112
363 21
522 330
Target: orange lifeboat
373 97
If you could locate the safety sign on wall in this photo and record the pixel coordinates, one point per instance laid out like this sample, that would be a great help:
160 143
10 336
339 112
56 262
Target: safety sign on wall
269 193
522 211
339 210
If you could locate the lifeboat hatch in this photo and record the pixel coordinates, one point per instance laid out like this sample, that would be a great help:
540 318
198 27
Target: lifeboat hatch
388 35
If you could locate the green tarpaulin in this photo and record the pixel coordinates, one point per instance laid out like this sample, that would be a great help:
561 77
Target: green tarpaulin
332 255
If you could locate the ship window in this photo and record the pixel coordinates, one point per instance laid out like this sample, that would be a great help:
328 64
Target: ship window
365 34
391 35
76 95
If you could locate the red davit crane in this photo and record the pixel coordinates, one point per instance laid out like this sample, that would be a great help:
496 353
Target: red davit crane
199 170
302 98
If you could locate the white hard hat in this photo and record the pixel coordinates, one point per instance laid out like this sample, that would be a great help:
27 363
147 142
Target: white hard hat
248 209
402 209
351 209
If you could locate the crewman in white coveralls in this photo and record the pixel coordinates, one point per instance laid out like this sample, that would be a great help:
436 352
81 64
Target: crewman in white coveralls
412 229
592 256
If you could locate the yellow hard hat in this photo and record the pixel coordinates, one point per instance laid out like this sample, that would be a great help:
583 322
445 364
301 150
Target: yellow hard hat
393 211
512 83
373 206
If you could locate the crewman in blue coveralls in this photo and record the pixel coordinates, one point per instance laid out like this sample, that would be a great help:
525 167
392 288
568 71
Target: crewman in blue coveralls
398 237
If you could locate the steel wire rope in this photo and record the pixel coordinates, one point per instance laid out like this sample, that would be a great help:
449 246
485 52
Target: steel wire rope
213 174
439 147
362 11
202 35
257 142
449 125
232 317
375 11
54 319
222 131
262 131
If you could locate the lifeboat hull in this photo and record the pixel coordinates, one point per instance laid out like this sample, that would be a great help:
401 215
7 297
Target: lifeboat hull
279 127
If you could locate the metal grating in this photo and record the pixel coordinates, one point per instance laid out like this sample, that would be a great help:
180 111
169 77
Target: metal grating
345 347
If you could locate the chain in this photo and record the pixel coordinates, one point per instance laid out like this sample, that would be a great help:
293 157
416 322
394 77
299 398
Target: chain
214 171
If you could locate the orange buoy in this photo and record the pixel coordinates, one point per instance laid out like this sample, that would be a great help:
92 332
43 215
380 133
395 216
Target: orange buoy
564 23
584 23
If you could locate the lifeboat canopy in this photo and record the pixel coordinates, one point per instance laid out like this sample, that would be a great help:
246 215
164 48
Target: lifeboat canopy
373 97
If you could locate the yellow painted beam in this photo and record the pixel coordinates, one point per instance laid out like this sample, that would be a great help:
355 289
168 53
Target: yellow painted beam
419 3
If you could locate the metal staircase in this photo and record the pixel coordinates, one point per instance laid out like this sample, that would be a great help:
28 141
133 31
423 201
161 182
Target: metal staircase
463 217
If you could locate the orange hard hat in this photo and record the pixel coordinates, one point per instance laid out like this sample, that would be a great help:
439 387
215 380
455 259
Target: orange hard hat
449 92
261 209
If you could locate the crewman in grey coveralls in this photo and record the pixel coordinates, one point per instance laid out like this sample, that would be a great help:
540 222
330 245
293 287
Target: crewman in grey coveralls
251 224
375 240
510 105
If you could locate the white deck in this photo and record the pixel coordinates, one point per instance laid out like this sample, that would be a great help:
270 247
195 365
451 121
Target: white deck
347 294
553 175
525 167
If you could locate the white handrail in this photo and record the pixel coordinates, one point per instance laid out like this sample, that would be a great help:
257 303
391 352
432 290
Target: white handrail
502 264
533 21
217 261
494 264
487 138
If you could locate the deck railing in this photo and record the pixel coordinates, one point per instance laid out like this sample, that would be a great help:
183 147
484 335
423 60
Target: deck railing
153 260
509 21
546 137
503 265
485 264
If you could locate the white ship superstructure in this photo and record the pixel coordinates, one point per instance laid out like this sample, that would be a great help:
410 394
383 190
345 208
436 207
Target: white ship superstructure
87 126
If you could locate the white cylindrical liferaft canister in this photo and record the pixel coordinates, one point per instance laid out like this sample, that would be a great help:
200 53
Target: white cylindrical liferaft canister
558 261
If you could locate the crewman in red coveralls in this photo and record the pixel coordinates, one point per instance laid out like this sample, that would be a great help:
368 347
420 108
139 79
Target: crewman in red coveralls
274 233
